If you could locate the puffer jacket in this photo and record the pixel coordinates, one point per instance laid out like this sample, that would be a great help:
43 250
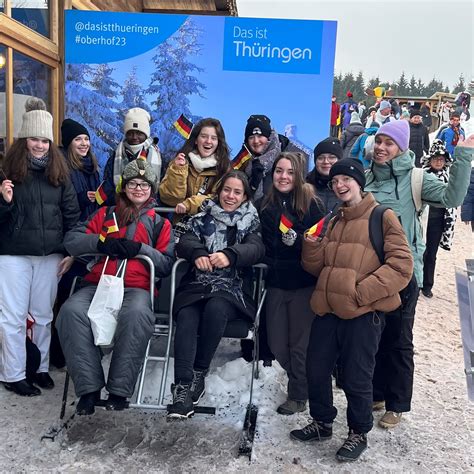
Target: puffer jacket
187 185
152 230
35 221
467 208
349 137
351 280
390 183
419 141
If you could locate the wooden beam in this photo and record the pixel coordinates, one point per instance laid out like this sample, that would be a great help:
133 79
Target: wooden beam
187 5
9 95
84 5
118 5
23 39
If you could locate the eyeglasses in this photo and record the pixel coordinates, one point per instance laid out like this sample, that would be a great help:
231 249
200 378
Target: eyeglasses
134 185
329 159
335 182
438 158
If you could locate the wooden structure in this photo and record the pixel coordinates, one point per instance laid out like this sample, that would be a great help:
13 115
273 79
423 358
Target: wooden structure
48 50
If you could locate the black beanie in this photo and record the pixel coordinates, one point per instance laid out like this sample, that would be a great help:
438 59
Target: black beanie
414 112
70 129
328 145
258 125
349 167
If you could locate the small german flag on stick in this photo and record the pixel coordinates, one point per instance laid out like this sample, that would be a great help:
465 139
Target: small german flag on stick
285 224
320 227
100 195
108 227
184 126
242 158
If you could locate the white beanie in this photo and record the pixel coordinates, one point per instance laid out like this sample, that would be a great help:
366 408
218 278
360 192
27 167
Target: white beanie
355 118
37 121
137 119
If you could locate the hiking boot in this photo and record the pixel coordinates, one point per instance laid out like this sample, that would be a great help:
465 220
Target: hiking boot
44 380
378 405
391 419
353 447
198 385
116 402
427 292
22 388
290 407
315 431
86 404
182 406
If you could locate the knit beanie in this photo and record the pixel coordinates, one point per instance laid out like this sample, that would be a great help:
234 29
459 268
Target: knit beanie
137 119
349 167
37 121
385 104
398 131
258 125
70 129
328 145
355 118
349 94
438 148
414 112
140 169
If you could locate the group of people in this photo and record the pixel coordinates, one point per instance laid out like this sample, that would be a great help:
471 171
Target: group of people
334 298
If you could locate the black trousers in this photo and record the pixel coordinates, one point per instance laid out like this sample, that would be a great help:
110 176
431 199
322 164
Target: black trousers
353 343
434 231
334 131
394 369
199 329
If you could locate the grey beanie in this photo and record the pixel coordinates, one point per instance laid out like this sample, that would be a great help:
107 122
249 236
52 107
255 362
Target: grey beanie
140 169
37 121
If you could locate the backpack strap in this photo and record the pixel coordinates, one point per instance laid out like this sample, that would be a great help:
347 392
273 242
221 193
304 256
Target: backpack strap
376 231
416 177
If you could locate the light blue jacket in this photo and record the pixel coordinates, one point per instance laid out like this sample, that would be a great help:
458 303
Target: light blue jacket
390 183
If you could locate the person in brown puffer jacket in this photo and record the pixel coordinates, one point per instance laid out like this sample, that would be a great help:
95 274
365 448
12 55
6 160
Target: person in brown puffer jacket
352 293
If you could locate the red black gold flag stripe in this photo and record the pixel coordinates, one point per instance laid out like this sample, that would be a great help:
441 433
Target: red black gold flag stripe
285 224
108 227
242 158
184 126
100 195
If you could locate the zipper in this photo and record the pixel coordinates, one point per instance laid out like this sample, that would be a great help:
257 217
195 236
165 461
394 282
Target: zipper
42 215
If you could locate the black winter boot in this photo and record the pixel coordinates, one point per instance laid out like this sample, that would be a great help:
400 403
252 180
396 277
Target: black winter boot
182 406
86 404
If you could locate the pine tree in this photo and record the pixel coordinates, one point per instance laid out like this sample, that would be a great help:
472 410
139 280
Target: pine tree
172 83
413 87
460 86
133 94
402 86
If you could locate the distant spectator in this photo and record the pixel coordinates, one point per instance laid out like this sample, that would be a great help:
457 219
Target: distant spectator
347 108
335 111
383 114
419 138
450 135
425 110
351 134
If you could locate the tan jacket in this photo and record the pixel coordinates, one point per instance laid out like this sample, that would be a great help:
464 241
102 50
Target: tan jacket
185 184
351 281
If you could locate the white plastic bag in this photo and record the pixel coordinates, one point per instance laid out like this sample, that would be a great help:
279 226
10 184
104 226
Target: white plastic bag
105 306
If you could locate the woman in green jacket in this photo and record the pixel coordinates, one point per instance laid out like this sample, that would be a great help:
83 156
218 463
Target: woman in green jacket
389 180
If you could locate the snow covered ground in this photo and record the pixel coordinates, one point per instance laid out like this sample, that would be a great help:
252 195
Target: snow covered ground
438 435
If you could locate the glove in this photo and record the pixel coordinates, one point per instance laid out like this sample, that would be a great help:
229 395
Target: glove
289 238
120 248
257 174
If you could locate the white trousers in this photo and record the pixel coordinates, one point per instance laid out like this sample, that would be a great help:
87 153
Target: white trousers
27 284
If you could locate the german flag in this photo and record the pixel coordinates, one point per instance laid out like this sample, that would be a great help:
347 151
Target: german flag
285 224
242 158
108 227
320 227
184 126
100 195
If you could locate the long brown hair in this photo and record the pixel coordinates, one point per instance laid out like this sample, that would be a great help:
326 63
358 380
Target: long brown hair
76 161
303 193
222 151
127 211
15 164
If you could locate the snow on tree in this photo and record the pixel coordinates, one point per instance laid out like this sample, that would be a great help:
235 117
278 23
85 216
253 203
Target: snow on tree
132 93
460 86
172 83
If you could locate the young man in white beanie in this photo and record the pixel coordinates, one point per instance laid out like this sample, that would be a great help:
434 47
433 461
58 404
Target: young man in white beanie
137 144
383 114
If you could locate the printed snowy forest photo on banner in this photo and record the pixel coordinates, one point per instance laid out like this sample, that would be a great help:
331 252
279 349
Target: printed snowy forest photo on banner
198 66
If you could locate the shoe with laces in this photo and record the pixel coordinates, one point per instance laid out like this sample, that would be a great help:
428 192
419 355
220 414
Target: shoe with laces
198 385
116 402
390 419
315 431
353 447
182 406
378 405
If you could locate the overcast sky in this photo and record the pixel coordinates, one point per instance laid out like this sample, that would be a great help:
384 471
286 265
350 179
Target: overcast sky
427 38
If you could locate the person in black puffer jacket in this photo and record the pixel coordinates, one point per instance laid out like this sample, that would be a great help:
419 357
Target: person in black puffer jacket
419 138
326 153
38 205
351 134
289 209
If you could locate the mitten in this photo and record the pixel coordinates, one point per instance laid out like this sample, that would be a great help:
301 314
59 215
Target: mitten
257 174
128 248
289 238
109 246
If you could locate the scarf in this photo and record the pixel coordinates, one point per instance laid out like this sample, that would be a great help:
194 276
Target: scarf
450 214
39 163
211 226
456 131
201 164
126 153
